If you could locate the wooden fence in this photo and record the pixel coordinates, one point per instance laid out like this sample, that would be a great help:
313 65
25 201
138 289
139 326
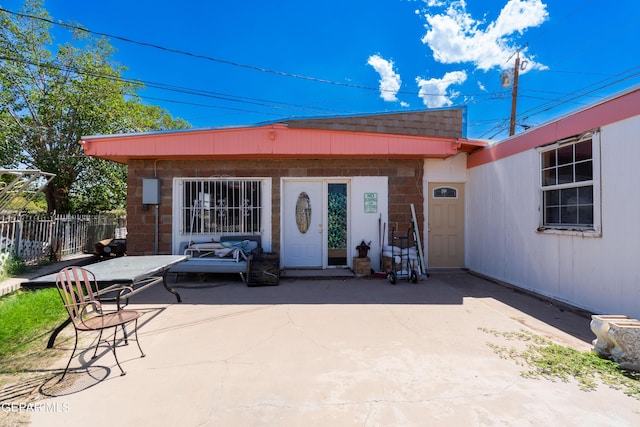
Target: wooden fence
34 238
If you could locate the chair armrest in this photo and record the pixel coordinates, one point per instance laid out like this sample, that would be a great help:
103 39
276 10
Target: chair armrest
109 290
120 290
83 314
123 292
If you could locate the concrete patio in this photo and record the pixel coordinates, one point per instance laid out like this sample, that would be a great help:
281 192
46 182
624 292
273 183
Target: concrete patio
332 352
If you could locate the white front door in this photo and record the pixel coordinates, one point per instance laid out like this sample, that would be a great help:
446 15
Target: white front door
303 216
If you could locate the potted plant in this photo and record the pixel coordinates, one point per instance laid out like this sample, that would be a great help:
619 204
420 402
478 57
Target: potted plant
363 249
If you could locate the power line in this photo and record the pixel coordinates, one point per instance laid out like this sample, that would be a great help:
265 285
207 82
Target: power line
577 94
218 60
194 55
195 92
195 104
280 105
567 98
178 89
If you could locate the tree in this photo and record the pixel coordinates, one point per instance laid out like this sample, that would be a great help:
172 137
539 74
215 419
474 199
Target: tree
101 186
51 97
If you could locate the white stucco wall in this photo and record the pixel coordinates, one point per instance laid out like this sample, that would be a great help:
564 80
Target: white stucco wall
596 273
452 169
365 225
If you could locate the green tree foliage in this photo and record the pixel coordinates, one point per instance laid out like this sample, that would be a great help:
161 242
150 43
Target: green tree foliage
101 186
51 96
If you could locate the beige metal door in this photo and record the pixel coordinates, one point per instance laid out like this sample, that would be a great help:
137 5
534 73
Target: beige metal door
446 225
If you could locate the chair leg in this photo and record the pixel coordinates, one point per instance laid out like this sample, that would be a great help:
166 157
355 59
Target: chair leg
138 340
126 336
95 352
113 349
75 346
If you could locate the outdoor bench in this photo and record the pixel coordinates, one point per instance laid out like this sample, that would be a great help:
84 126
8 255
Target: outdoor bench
229 255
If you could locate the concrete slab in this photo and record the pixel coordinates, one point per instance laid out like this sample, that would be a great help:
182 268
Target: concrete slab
13 284
329 273
332 352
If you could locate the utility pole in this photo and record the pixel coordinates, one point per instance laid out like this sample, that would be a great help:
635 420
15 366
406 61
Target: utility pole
514 95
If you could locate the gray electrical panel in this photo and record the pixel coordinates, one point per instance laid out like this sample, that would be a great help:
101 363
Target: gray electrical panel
150 191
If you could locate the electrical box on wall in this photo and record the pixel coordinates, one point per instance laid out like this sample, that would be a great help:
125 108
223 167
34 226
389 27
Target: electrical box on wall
150 191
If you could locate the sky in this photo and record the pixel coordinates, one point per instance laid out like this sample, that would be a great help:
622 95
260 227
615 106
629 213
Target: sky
234 63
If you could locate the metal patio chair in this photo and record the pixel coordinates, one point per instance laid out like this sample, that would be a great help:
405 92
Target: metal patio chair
81 298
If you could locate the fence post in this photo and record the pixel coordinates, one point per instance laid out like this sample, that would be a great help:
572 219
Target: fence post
18 244
54 241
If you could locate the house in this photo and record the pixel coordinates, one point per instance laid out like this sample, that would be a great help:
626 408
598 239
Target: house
313 189
552 210
555 209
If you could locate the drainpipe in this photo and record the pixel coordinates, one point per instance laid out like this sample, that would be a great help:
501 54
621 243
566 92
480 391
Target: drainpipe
155 242
157 225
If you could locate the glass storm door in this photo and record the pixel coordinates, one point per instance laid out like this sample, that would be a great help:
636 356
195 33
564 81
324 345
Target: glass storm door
337 224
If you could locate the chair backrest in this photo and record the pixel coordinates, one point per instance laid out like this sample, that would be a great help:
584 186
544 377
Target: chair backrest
78 289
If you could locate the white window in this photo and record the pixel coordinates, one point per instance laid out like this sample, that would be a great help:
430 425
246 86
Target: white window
570 184
221 206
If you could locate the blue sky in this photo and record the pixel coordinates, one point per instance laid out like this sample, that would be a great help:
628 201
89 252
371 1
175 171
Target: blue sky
265 61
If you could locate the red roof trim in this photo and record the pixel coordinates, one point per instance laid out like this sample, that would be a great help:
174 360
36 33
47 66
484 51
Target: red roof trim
271 141
611 111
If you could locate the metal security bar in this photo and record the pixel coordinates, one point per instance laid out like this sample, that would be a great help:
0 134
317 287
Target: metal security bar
222 205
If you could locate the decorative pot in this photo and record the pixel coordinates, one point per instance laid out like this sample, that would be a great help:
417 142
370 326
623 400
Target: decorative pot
626 339
600 327
363 249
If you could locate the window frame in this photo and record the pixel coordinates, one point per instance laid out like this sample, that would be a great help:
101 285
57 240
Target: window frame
569 229
202 187
446 195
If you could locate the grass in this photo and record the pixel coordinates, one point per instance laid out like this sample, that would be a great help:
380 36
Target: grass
10 265
545 359
26 321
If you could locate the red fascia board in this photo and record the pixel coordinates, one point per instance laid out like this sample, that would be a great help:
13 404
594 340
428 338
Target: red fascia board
608 112
272 141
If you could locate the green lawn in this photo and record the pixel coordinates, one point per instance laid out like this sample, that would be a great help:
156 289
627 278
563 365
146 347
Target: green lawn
27 318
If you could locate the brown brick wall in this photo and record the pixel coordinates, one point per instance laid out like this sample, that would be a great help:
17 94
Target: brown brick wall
440 123
405 187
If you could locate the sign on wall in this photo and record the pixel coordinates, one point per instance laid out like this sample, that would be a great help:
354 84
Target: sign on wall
370 202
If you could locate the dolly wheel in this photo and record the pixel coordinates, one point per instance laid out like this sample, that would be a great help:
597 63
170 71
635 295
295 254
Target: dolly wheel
414 276
392 278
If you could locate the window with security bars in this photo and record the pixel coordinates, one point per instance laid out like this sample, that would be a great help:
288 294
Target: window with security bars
568 184
222 205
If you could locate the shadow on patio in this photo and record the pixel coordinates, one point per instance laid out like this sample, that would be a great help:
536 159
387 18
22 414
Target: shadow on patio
447 287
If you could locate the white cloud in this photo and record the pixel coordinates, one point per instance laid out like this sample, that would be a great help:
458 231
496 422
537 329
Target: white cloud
389 79
434 92
431 3
455 36
482 87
